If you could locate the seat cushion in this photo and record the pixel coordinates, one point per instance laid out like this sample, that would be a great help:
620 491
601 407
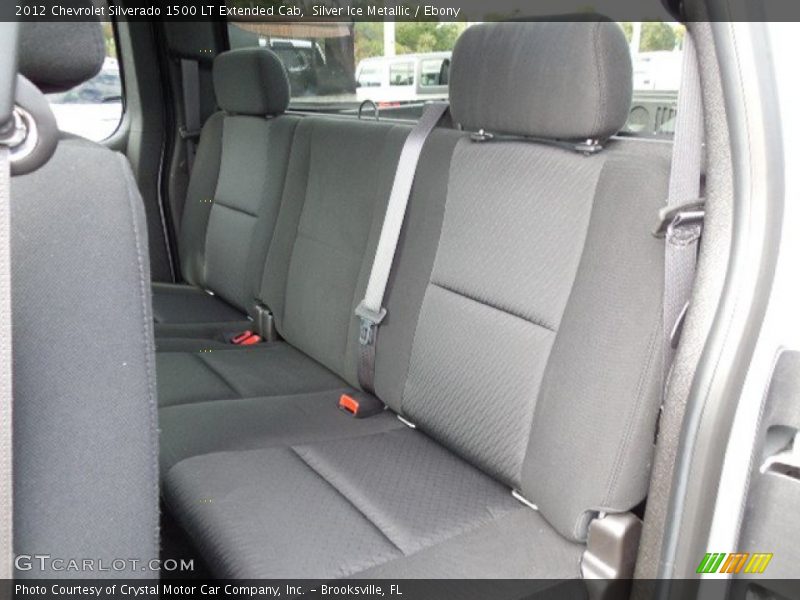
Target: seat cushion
253 423
176 303
338 508
190 343
275 369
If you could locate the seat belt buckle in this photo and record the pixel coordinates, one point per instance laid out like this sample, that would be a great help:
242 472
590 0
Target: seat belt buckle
265 322
681 225
360 404
369 322
245 338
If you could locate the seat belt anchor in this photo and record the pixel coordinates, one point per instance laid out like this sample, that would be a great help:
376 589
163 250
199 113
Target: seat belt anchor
189 134
369 322
681 225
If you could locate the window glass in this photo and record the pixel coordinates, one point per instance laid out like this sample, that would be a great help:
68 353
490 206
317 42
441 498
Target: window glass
401 74
369 75
434 71
93 109
657 60
334 67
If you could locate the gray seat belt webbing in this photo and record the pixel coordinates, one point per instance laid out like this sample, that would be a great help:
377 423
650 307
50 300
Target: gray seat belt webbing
190 84
6 461
8 78
370 310
682 218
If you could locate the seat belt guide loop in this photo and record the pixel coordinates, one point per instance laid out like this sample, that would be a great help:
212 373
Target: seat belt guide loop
369 322
681 225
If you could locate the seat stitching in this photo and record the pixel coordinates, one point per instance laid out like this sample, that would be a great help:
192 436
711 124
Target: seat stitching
348 500
646 367
149 342
457 148
538 322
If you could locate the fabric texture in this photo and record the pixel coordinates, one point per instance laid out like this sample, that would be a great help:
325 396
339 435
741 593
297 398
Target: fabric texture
251 81
413 265
58 56
518 544
356 503
680 257
245 511
232 206
556 80
201 339
602 382
176 303
500 282
199 428
275 369
85 409
415 491
240 197
199 200
338 182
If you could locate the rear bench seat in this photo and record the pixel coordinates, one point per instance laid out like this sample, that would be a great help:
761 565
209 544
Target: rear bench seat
339 176
233 198
522 339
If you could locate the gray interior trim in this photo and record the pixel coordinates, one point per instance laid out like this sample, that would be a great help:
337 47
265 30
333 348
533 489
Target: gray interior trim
141 135
757 155
712 265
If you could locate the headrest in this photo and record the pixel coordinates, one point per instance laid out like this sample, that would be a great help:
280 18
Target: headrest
251 81
58 56
566 80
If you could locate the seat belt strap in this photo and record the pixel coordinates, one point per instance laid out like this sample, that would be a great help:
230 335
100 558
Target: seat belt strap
6 460
682 219
190 83
371 311
8 77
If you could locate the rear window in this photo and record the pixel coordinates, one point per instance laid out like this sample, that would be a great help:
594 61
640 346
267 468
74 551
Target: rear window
335 67
657 60
94 108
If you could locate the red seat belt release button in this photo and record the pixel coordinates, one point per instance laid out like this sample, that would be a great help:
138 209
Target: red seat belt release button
246 338
348 404
360 404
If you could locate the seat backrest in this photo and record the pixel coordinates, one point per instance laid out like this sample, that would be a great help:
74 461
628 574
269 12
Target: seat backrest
338 183
540 316
85 440
235 189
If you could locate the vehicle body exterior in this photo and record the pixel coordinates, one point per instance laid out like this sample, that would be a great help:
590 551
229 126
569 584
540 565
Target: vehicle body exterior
403 78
